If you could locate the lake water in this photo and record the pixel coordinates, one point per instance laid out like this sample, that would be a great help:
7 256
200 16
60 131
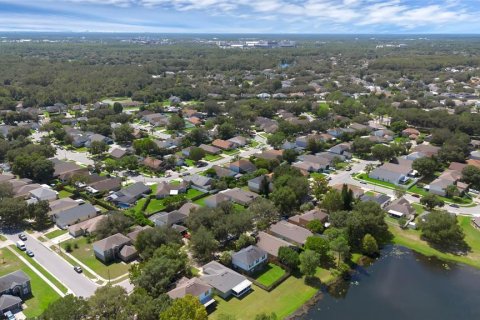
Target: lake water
403 285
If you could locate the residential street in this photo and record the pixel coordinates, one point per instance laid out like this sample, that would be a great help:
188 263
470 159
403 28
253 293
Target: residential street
79 284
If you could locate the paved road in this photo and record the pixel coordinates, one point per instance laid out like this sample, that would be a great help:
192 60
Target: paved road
79 284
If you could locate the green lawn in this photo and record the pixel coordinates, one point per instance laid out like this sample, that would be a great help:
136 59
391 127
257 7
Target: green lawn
317 174
43 294
47 275
418 208
283 300
231 152
85 254
139 205
55 233
64 194
254 143
269 274
411 239
212 157
200 202
155 205
189 162
365 177
192 193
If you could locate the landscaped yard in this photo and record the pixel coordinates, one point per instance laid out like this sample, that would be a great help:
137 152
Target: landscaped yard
212 157
231 152
365 177
193 193
64 194
55 233
85 254
283 300
155 205
43 294
411 239
269 274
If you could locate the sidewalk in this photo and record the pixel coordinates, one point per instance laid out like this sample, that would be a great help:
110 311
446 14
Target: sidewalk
28 264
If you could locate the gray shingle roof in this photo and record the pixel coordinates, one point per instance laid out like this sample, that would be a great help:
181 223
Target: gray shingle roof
249 254
220 277
13 279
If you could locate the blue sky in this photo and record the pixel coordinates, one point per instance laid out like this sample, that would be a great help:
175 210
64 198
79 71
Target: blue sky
242 16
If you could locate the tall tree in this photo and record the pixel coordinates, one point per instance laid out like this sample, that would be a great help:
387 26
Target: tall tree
186 308
68 307
309 261
332 201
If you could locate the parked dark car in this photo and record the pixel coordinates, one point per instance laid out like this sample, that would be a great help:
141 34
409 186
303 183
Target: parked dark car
22 237
30 253
78 269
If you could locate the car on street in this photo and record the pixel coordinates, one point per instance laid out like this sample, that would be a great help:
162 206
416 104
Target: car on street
363 182
78 269
348 169
30 253
416 195
22 237
453 205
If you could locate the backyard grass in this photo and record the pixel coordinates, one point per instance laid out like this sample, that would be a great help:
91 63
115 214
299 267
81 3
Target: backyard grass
269 274
212 157
85 254
189 162
200 202
64 194
155 205
193 193
139 205
42 293
411 239
231 152
47 275
283 300
55 233
418 208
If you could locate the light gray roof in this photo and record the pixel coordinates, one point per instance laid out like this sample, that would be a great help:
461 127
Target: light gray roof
220 277
8 301
62 204
111 242
43 193
270 243
75 214
194 287
291 232
198 180
249 254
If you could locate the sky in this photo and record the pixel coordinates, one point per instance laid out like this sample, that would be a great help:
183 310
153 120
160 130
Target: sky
243 16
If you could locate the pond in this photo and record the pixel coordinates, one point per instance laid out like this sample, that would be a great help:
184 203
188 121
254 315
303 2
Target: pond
402 285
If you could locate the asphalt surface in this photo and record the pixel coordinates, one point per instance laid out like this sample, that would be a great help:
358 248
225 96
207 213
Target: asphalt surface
79 284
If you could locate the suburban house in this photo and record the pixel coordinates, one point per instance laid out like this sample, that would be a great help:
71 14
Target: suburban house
271 244
168 219
225 281
401 208
390 172
62 204
242 166
165 189
223 144
74 215
14 288
86 227
152 163
199 182
270 154
133 235
64 170
238 141
44 193
103 184
259 183
210 149
195 287
129 195
447 178
342 149
222 172
312 163
423 150
249 259
116 246
117 153
303 219
237 195
357 191
382 199
290 232
411 133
